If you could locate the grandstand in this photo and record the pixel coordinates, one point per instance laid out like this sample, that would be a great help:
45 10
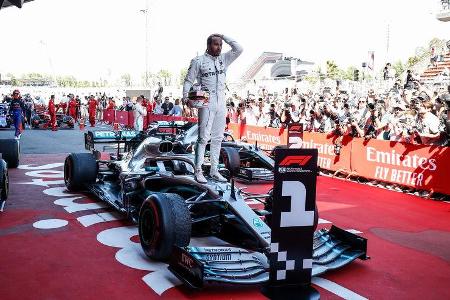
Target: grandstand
271 65
441 68
444 13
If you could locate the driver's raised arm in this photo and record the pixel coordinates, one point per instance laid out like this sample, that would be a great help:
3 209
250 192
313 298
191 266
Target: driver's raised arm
235 51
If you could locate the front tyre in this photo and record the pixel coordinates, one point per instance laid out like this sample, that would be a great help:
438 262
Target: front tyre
164 222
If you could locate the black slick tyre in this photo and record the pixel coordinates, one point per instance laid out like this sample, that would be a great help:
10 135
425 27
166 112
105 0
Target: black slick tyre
164 222
9 148
4 182
230 158
79 169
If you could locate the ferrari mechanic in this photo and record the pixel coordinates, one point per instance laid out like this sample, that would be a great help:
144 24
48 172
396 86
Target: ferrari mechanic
209 70
52 112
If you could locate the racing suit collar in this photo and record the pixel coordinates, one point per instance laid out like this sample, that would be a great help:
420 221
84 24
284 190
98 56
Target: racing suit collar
210 56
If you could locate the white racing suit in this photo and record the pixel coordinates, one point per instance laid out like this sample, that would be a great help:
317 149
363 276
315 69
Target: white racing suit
139 113
210 71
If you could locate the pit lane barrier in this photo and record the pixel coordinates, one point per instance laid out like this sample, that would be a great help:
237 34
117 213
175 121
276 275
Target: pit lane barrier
421 167
126 118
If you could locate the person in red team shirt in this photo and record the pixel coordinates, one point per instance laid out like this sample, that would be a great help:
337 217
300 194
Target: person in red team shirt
111 104
63 107
73 108
151 104
52 112
92 104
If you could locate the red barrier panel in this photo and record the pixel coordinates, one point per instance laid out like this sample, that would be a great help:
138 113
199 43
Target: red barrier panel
418 166
109 116
267 138
326 146
122 117
155 118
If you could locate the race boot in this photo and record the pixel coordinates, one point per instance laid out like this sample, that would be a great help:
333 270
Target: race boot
198 175
215 175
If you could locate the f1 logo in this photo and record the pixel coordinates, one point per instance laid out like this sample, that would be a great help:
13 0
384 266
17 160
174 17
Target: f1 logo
301 160
295 128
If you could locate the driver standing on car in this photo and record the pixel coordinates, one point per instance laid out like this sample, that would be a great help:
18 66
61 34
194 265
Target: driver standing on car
209 70
17 108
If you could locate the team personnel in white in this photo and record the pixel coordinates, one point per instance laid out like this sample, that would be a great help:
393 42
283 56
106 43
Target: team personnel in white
139 112
209 70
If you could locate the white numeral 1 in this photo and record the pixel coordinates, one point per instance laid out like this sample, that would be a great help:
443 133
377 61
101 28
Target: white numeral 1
298 216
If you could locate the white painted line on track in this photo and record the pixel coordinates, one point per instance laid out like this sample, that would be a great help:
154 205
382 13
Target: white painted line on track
336 289
354 231
323 221
161 280
93 219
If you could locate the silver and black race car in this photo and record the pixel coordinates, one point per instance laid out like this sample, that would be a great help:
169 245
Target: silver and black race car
9 158
256 165
155 188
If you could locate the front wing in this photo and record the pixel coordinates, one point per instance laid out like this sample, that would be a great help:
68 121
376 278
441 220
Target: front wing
194 266
254 175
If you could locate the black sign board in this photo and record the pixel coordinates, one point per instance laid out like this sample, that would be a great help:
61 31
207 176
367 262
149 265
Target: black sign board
295 135
292 224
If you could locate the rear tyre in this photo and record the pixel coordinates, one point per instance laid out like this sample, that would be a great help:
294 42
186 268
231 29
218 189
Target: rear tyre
231 159
164 222
79 169
10 152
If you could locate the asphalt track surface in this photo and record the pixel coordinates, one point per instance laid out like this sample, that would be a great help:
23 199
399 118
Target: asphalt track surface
41 141
56 245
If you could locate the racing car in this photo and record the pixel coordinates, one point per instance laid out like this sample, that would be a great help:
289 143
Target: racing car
5 117
9 158
155 188
256 165
41 120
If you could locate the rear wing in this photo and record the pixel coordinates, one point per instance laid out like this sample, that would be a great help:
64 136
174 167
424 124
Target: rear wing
108 137
173 128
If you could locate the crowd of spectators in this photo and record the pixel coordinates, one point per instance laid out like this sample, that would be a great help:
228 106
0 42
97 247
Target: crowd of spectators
411 113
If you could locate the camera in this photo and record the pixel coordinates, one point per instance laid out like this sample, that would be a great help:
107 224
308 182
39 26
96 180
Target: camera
411 130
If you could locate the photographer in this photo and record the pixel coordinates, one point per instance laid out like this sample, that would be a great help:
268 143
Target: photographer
427 130
274 118
285 117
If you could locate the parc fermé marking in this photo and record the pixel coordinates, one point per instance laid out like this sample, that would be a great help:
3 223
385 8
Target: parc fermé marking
130 253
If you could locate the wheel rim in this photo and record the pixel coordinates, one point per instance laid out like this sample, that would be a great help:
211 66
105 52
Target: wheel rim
67 171
149 226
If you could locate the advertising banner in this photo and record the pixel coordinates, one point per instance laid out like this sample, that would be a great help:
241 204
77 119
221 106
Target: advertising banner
418 166
325 144
266 137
